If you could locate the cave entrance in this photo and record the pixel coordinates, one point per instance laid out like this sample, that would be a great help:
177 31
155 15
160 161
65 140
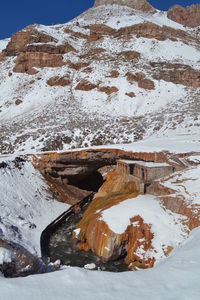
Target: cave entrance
88 182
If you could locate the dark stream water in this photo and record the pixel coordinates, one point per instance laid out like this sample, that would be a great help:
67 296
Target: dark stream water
61 247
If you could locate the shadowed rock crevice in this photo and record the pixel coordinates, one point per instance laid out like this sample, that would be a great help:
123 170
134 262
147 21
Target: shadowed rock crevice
89 182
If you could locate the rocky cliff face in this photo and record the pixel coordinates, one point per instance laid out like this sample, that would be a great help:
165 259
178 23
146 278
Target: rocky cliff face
188 16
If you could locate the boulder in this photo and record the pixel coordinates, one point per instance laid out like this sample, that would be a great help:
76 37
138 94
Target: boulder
131 94
18 102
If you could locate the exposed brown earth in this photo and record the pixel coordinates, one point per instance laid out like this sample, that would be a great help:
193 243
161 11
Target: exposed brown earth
187 16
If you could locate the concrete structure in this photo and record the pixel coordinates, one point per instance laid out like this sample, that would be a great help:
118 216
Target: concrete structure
144 173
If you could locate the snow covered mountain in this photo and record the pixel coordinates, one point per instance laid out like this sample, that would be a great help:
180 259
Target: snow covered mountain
122 72
115 74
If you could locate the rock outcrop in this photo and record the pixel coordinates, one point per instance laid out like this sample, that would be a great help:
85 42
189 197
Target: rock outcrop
26 61
135 4
177 73
187 16
146 29
48 48
141 79
35 49
20 39
58 81
108 89
85 85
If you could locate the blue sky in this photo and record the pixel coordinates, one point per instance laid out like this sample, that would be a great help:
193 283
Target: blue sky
16 14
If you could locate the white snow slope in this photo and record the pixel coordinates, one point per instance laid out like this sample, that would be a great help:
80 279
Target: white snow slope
26 206
175 278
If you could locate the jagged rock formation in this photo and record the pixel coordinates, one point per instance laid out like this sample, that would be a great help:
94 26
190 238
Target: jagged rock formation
135 4
188 16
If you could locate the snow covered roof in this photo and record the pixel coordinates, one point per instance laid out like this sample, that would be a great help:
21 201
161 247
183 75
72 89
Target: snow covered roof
146 164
